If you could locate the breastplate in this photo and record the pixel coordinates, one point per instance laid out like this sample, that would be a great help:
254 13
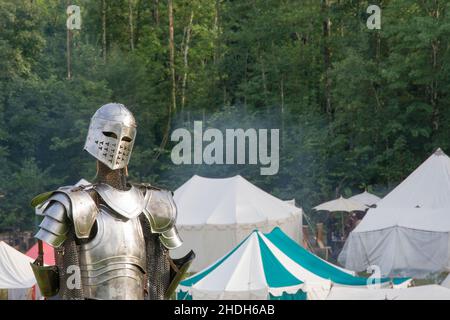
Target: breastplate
113 263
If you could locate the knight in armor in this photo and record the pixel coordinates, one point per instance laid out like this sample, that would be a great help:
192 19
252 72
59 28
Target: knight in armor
114 235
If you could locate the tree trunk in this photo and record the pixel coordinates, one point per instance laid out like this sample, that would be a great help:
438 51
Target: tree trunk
216 30
130 24
104 30
138 23
69 53
282 93
327 56
155 12
433 87
172 56
185 60
264 79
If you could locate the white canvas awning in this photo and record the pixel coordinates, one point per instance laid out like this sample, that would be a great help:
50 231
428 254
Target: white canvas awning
214 215
366 198
341 204
15 269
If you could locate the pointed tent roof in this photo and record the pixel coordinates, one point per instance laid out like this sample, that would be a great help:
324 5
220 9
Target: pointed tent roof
366 198
420 202
321 268
250 267
270 263
426 187
15 269
227 201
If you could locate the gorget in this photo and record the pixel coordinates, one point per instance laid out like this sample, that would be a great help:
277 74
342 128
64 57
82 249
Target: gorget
129 203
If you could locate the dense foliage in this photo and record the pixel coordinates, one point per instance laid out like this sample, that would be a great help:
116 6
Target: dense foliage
357 108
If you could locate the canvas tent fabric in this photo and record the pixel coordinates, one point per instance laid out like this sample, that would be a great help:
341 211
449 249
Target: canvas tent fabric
49 253
214 215
407 234
427 292
366 198
446 282
341 204
15 269
243 274
268 266
322 268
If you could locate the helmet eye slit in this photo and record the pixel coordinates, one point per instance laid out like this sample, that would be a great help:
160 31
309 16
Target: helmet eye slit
110 134
127 139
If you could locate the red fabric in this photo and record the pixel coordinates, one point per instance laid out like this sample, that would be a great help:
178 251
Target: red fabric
49 253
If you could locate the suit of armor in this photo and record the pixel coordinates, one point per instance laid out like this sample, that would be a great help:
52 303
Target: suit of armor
111 237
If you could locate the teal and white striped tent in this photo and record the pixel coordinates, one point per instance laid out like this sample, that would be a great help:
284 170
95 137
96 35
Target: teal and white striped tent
270 266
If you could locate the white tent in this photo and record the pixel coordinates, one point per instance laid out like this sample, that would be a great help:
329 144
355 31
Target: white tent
446 282
428 292
251 271
214 215
15 269
272 266
407 234
366 198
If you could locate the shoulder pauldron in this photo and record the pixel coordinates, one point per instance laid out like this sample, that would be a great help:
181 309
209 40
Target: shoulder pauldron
80 207
159 209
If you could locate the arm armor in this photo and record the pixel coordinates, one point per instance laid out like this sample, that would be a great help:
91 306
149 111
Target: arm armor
161 213
66 205
54 226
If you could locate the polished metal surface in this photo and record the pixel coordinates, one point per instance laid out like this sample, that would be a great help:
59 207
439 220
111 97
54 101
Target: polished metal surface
51 238
111 135
83 210
113 263
129 203
54 226
170 238
160 210
115 255
56 210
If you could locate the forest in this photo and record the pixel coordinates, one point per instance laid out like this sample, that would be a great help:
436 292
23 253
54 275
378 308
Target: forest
356 108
